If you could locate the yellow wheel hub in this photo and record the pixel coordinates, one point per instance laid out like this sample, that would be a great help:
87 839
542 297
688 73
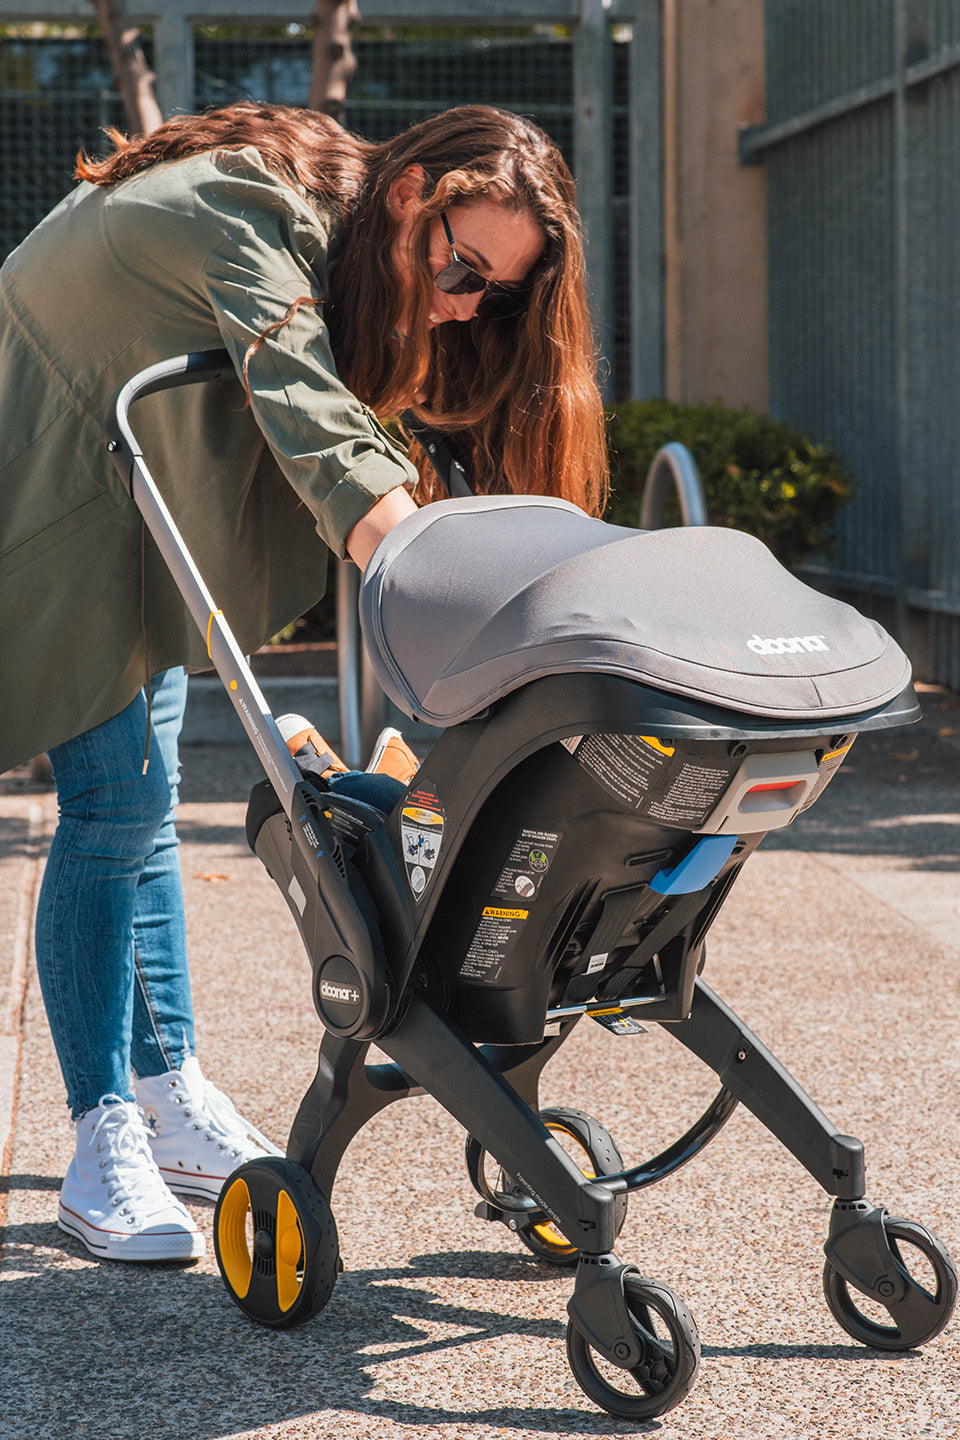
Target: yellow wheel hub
236 1256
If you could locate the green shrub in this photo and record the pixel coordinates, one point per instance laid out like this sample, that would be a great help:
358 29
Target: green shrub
759 475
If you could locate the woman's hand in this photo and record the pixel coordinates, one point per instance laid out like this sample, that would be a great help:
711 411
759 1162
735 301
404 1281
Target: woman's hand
366 535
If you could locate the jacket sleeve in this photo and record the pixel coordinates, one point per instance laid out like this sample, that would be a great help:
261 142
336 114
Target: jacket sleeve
330 447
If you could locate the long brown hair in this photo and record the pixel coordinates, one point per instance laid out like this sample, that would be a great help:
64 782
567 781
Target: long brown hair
517 394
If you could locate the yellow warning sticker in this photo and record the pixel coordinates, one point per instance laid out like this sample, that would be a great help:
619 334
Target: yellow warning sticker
497 934
421 835
418 816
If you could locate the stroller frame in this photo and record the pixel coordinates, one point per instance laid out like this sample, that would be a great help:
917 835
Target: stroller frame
492 1089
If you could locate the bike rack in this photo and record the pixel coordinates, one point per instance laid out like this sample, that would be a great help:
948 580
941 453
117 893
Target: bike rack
673 465
362 704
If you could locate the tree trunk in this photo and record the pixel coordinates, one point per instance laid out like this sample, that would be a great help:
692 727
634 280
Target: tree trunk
130 70
334 62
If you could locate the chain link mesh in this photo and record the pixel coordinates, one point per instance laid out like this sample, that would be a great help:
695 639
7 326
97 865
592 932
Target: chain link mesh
57 95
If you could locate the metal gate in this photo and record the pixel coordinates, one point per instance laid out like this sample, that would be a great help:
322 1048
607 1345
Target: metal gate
587 70
862 150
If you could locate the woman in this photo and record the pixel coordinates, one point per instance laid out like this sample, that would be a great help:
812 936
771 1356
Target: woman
333 271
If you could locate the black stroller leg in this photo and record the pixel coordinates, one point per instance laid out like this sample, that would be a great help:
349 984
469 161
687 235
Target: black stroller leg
522 1065
462 1078
757 1079
867 1250
477 1095
347 1092
344 1095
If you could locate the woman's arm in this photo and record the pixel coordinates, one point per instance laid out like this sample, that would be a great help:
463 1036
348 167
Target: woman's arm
366 535
262 280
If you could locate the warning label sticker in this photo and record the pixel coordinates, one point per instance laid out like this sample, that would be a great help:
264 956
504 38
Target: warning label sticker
346 825
421 834
496 935
618 1022
653 777
626 765
829 766
529 860
692 796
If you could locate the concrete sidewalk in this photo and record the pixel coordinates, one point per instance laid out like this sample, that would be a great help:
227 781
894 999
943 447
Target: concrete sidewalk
840 947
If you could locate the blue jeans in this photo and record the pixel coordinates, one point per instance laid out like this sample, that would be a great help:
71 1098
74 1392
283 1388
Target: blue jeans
110 935
111 941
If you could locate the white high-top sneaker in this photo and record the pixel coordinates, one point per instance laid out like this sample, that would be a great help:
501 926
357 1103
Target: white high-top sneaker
113 1197
196 1135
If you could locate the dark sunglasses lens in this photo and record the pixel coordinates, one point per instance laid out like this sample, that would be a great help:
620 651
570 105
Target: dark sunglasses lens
459 279
502 304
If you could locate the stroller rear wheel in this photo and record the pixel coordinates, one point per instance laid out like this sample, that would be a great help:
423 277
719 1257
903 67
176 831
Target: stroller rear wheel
924 1310
668 1365
276 1243
592 1148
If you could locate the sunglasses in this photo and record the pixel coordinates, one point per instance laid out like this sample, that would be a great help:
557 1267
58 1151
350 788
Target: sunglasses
459 278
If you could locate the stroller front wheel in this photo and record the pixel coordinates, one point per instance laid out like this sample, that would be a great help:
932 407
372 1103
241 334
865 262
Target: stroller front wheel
669 1361
926 1306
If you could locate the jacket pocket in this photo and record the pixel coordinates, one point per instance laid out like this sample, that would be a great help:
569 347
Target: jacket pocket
36 545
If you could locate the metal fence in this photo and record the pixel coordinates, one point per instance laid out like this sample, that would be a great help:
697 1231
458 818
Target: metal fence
587 70
55 98
862 149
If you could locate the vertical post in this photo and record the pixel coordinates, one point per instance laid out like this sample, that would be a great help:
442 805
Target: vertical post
673 330
593 111
334 62
911 19
901 261
132 75
173 60
349 648
646 201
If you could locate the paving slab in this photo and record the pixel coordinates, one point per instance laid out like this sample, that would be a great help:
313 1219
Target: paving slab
839 946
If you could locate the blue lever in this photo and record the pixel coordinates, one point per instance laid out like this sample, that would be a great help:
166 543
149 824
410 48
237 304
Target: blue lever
696 870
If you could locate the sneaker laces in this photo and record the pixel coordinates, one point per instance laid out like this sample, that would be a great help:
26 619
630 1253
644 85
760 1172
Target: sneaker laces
215 1114
227 1118
131 1174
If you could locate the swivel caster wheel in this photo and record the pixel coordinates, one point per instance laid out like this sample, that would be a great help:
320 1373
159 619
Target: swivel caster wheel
276 1243
668 1364
924 1310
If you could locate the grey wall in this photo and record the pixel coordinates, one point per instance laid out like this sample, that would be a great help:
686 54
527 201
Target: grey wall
862 149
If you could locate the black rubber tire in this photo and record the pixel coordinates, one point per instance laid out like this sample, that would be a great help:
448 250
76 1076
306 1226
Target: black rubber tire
603 1157
276 1243
923 1313
668 1368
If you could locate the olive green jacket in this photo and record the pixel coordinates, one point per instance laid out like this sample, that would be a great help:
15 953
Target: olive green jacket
192 255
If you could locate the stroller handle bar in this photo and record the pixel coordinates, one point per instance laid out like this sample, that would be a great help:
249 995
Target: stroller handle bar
222 647
180 370
298 801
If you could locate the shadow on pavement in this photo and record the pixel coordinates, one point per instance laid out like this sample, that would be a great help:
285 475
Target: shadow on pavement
160 1351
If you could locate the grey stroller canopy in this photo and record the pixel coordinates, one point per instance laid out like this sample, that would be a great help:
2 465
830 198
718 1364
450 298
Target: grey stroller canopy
469 599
